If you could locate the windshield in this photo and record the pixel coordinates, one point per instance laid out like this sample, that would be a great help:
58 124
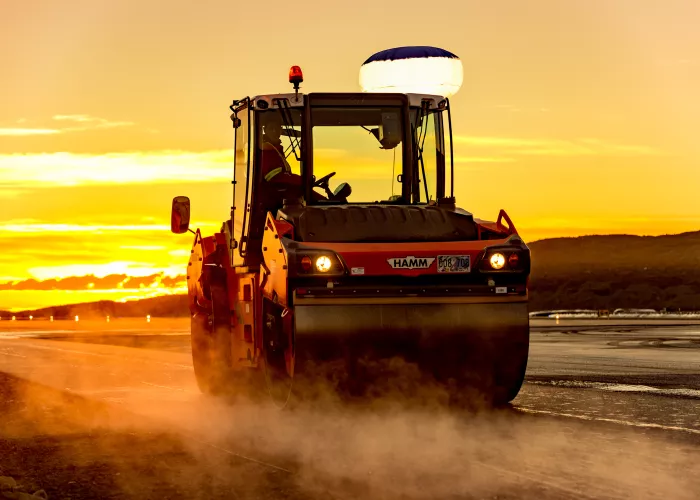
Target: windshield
363 147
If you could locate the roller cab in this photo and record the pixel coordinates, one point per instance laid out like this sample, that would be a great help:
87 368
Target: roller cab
345 243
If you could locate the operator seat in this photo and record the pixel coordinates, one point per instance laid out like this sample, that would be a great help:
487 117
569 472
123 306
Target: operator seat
341 192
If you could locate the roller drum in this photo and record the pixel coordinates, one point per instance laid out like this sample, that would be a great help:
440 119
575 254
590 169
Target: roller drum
480 346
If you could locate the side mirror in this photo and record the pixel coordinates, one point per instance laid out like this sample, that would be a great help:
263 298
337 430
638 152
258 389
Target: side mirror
389 133
180 215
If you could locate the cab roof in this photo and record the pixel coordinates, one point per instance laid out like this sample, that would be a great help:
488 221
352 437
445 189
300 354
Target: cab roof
295 100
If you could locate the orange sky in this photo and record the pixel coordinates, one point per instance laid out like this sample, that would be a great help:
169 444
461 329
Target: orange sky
580 117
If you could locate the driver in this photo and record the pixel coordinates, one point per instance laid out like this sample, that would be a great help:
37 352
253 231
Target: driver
275 168
277 174
278 180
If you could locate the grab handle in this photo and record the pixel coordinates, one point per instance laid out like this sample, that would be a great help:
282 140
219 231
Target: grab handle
503 215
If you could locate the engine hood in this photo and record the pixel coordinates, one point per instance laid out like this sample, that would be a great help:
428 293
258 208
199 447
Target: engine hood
379 224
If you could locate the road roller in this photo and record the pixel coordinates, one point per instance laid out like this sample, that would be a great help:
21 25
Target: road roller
344 244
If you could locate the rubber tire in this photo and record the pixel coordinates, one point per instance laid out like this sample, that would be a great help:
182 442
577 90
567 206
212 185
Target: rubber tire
211 346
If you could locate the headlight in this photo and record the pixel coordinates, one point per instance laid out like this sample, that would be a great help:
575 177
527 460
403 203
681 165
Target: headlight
313 262
514 258
497 261
323 264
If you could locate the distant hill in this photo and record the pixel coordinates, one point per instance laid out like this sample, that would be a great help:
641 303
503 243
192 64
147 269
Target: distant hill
607 272
588 272
168 306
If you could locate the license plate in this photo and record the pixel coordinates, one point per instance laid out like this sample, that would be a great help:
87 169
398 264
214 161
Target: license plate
453 263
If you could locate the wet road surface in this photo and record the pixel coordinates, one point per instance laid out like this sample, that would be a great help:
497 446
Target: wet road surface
641 375
608 411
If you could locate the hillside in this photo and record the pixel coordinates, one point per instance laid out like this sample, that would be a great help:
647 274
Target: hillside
164 307
589 272
606 272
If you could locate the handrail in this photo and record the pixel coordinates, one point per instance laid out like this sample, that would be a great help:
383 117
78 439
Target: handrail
511 227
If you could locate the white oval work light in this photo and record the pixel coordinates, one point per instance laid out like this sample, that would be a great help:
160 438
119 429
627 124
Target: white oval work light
417 70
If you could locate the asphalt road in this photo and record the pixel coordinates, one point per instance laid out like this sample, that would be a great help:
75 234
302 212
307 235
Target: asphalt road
608 411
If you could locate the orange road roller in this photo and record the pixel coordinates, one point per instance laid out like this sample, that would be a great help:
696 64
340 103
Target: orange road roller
344 242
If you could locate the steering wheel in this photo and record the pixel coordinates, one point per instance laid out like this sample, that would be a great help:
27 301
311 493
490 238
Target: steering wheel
323 180
323 183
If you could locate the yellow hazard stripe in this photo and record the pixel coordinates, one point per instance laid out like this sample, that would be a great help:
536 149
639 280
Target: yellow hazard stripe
273 173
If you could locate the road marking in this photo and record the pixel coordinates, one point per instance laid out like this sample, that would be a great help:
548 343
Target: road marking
537 478
690 393
629 423
234 454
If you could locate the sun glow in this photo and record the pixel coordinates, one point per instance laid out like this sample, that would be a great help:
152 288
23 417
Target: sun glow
72 169
133 269
15 301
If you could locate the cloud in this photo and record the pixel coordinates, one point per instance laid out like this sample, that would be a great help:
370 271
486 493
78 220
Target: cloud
93 282
17 295
138 167
683 61
17 132
556 147
6 192
166 166
88 228
76 118
483 159
90 122
41 170
329 153
42 251
518 109
80 124
129 268
143 247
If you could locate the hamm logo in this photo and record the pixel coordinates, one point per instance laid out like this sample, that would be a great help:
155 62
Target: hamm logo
411 262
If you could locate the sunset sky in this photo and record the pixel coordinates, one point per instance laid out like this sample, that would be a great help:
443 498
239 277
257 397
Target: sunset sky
576 117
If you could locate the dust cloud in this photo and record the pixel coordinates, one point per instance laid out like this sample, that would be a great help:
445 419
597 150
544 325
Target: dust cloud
383 447
391 447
